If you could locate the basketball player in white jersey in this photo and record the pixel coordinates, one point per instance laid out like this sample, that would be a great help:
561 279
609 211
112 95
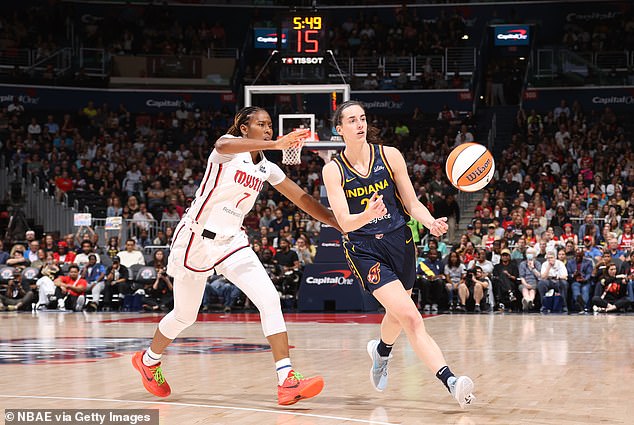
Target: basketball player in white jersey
210 236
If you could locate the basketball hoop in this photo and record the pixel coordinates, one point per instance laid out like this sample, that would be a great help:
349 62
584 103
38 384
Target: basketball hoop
292 155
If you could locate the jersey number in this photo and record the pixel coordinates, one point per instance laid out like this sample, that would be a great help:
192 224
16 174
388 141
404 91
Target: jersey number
246 195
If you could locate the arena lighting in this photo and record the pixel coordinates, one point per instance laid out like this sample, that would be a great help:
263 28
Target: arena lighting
465 37
522 58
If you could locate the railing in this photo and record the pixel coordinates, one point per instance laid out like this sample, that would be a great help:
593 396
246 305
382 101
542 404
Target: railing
414 66
492 133
61 59
94 61
550 63
461 60
9 58
44 209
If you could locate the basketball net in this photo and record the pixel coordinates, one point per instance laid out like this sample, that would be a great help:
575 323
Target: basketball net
292 155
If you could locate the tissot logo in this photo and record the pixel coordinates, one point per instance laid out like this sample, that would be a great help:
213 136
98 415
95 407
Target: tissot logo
303 61
332 278
518 34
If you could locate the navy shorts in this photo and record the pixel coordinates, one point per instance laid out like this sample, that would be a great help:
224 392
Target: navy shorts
376 260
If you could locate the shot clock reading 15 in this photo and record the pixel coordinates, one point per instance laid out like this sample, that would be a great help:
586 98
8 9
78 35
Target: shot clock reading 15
307 34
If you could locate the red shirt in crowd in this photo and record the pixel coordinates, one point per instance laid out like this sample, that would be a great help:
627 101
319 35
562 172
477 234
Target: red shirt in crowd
68 281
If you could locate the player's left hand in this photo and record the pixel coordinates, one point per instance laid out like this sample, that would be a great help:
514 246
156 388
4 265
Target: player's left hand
439 226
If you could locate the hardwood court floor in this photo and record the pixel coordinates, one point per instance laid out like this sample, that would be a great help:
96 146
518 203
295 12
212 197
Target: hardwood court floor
528 369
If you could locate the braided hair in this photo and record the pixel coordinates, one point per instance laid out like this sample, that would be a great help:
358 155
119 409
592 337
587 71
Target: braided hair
242 117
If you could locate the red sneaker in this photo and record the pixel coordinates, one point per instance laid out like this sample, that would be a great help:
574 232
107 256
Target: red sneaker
151 376
296 388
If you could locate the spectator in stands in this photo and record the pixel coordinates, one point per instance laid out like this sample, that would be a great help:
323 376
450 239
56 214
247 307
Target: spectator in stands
590 250
625 241
481 261
219 287
519 251
159 295
589 228
490 237
529 274
473 286
130 256
553 276
17 259
81 259
116 275
279 222
430 281
63 254
613 292
63 184
70 291
4 256
475 239
580 279
114 209
615 252
505 279
303 250
569 234
142 219
454 274
45 286
31 253
14 296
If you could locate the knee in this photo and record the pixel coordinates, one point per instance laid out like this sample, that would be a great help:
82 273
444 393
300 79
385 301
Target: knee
410 320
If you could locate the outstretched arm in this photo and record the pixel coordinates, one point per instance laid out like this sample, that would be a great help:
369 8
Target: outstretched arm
230 145
437 226
307 203
337 199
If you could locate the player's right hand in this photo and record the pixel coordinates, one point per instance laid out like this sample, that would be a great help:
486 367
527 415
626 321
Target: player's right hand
293 139
376 208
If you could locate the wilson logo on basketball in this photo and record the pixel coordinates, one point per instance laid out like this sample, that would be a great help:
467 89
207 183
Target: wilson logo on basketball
374 274
248 181
472 176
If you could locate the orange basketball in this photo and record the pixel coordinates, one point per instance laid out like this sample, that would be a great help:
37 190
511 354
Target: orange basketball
470 167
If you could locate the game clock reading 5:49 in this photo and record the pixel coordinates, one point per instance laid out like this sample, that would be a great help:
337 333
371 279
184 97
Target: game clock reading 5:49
307 34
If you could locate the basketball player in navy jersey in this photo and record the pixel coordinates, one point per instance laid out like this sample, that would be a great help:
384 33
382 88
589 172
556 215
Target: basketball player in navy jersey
210 237
372 197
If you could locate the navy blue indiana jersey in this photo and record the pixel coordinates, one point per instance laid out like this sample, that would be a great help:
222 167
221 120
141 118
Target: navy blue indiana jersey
359 189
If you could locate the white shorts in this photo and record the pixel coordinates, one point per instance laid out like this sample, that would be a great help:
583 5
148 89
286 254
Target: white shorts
193 256
193 259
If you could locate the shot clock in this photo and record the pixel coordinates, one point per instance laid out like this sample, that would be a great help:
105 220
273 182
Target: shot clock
307 34
303 57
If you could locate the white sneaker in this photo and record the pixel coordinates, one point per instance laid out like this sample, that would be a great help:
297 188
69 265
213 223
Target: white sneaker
434 308
79 305
427 308
462 390
378 370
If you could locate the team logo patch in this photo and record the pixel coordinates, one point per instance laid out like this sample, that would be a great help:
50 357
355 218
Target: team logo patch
374 274
74 350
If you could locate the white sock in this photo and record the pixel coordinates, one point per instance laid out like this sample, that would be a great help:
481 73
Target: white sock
150 358
282 367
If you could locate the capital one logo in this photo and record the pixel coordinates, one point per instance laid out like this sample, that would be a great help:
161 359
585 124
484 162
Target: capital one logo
329 277
518 34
